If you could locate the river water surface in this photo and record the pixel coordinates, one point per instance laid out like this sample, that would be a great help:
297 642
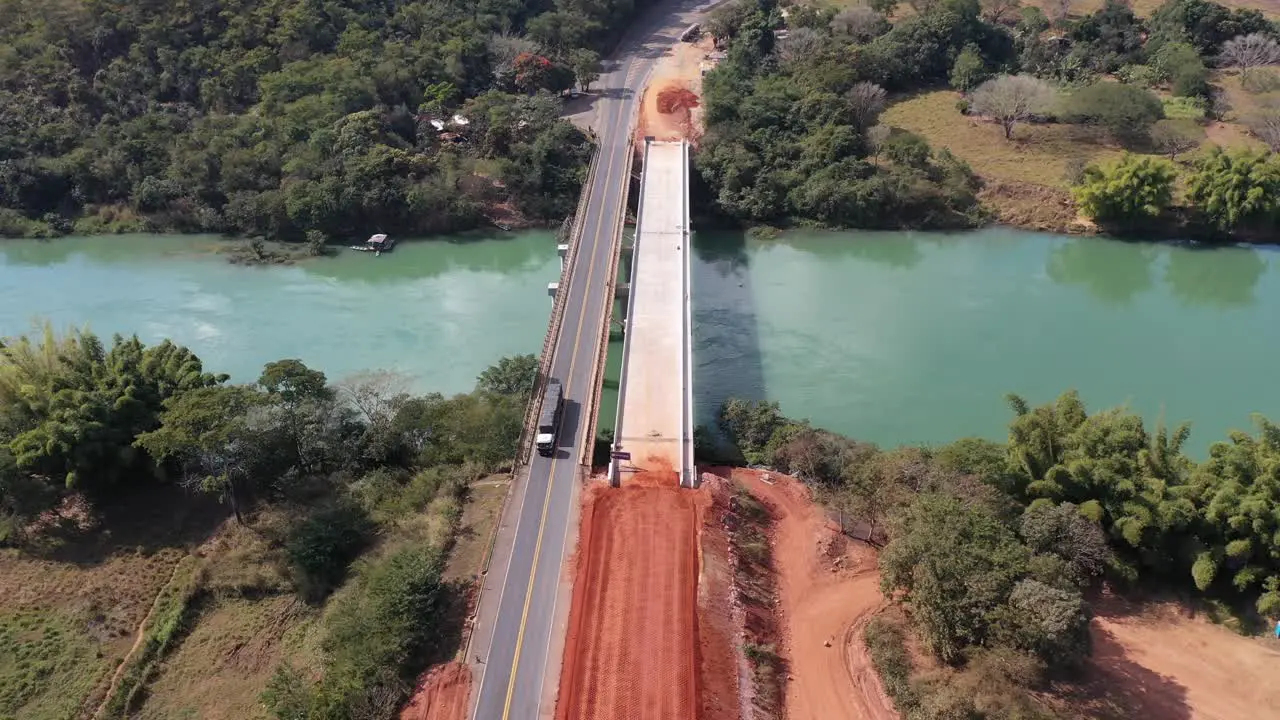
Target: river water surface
905 338
888 337
437 312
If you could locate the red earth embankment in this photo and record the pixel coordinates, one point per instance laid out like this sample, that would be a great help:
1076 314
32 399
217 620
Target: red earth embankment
632 650
443 694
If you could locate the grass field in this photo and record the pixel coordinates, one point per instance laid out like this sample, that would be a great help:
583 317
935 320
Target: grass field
250 620
1026 179
479 516
1039 154
70 608
222 666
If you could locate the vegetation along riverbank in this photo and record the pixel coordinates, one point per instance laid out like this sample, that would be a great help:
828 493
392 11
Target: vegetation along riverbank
175 545
1144 121
997 552
293 120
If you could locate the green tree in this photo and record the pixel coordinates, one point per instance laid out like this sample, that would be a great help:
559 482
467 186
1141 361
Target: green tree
955 564
71 407
1126 192
1238 489
586 67
1050 622
207 435
750 425
1109 466
1234 190
969 70
514 376
1063 531
293 381
1126 111
1205 25
1180 65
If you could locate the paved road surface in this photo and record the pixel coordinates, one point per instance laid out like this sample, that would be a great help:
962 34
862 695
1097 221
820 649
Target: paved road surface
518 661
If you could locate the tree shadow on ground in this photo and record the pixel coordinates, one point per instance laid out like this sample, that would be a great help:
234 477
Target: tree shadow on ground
1114 687
152 518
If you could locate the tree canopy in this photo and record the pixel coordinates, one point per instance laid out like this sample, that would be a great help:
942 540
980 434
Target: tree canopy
282 117
789 130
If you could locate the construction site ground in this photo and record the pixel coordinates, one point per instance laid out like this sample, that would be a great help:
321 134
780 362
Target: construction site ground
672 100
632 644
828 590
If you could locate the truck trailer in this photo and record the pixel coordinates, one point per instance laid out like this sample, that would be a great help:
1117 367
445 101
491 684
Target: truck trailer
549 418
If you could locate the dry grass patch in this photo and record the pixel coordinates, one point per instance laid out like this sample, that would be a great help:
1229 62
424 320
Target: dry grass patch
70 606
1039 154
248 620
223 665
485 499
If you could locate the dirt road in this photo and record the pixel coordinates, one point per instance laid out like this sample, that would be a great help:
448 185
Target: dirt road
829 590
632 647
1157 662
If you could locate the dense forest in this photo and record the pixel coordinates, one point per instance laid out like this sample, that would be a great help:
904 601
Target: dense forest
357 469
995 547
792 125
793 112
280 117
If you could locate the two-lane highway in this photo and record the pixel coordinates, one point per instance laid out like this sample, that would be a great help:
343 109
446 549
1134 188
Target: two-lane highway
517 663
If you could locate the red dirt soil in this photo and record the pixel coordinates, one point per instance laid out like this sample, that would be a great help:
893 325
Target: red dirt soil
718 624
672 99
444 693
829 589
632 648
1155 661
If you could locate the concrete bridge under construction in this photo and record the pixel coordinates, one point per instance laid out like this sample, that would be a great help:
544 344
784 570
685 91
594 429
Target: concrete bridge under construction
654 427
517 637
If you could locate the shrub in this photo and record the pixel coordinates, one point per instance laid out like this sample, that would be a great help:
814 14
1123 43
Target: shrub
1237 189
886 642
1126 111
1128 191
387 627
323 546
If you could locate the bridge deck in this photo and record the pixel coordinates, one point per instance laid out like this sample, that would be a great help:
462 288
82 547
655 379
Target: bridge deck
653 423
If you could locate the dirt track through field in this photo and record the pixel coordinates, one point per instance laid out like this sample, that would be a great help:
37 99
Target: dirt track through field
632 649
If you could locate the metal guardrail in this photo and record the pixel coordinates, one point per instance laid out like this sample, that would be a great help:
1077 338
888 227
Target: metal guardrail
557 313
611 284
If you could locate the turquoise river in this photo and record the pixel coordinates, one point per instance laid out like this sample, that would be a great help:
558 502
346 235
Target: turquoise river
888 337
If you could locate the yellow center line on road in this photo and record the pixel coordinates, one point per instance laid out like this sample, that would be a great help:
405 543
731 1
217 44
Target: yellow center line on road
546 503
